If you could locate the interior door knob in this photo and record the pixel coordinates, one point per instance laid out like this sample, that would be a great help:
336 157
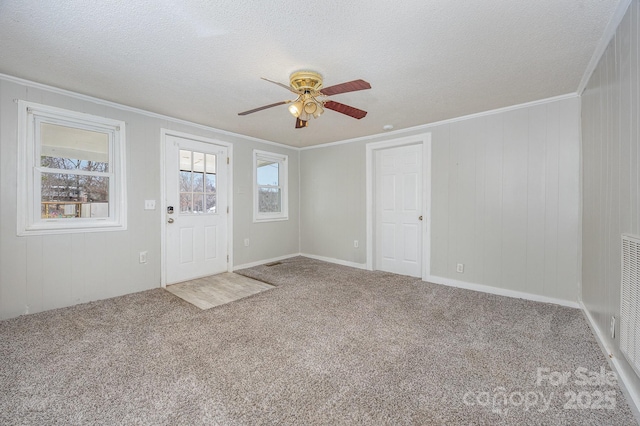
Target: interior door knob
170 220
420 218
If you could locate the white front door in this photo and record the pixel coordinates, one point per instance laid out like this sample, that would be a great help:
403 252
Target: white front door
196 202
398 205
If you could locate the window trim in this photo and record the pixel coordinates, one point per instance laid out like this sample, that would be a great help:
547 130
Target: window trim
283 180
29 221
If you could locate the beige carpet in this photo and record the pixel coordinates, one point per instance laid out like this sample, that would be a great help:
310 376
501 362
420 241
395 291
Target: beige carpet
330 345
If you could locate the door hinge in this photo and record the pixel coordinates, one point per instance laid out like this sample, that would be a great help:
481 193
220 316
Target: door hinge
227 160
227 209
227 258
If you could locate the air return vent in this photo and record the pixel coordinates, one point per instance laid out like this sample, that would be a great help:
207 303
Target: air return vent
630 303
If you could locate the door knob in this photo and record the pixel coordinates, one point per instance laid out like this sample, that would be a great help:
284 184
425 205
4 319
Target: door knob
170 220
420 218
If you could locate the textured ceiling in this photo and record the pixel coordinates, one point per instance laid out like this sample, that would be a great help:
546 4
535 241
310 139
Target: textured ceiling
427 60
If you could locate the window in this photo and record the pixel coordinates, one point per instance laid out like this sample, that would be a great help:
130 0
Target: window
71 175
269 186
197 182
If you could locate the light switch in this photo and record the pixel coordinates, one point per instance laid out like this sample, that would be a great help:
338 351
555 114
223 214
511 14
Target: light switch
149 204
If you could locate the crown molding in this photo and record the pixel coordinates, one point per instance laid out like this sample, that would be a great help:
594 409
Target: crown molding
127 108
425 127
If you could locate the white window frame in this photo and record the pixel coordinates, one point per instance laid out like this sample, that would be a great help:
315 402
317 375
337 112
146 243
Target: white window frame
30 222
283 180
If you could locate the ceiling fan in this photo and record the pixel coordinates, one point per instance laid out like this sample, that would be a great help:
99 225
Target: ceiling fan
310 102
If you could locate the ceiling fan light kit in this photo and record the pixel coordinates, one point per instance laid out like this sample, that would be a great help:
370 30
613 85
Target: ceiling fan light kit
308 83
308 86
296 108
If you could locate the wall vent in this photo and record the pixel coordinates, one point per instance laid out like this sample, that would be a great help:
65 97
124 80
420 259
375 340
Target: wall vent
630 303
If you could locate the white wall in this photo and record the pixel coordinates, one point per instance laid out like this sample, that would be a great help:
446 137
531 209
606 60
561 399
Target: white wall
611 178
332 202
45 272
505 199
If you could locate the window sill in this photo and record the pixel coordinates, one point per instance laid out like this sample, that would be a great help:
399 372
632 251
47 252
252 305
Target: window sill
71 229
270 219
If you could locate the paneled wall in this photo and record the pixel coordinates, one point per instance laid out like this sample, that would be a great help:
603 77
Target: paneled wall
45 272
611 176
505 199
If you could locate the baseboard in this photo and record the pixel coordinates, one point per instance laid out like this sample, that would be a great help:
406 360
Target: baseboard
633 397
431 278
262 262
500 291
336 261
311 256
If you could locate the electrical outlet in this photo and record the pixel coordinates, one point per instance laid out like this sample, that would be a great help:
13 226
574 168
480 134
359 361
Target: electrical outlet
612 328
460 268
246 242
356 244
143 257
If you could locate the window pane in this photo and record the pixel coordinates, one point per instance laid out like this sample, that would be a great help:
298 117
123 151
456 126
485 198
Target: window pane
64 187
70 148
211 163
198 162
210 183
267 173
269 200
185 203
185 181
211 203
198 182
210 190
185 160
71 196
198 203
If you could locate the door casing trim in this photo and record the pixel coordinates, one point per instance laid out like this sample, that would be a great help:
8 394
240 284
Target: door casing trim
163 201
371 148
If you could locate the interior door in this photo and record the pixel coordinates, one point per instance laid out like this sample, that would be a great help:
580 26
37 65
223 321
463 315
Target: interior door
196 216
397 214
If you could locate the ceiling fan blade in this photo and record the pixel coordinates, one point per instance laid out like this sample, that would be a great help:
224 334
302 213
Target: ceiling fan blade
350 86
345 109
280 84
301 123
263 107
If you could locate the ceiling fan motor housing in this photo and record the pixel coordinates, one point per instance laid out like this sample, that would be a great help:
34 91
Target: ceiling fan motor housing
306 81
